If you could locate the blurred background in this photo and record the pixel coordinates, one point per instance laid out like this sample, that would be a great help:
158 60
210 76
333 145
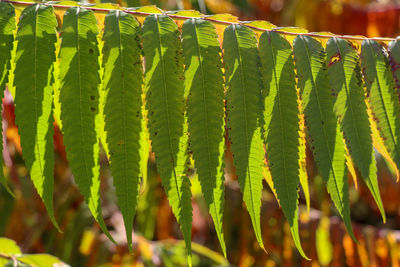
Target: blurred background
157 236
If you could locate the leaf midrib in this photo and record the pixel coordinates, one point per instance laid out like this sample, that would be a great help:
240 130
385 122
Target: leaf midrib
123 112
35 98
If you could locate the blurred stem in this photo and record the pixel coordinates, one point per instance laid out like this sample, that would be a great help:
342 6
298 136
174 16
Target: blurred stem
9 257
202 6
179 3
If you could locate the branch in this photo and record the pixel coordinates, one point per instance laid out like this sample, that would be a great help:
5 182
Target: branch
209 18
9 257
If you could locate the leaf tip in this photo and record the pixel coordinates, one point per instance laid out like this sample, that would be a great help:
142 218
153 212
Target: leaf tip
296 239
189 259
224 252
263 247
130 246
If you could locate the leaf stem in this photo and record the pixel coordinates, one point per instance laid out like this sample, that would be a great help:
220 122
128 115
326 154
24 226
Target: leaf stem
9 257
209 18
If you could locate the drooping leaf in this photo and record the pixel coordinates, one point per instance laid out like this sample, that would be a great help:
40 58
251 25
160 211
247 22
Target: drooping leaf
7 27
323 131
381 95
378 144
244 110
350 108
394 59
204 82
165 104
79 97
281 129
34 60
123 78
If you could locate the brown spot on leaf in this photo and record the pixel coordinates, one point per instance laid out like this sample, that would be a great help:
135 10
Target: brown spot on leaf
335 58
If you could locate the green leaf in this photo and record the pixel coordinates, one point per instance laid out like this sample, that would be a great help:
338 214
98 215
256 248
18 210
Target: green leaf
187 13
165 104
224 17
281 116
36 38
7 27
39 260
244 110
9 247
108 6
79 97
394 61
123 78
349 104
263 24
381 90
323 131
204 82
11 263
147 9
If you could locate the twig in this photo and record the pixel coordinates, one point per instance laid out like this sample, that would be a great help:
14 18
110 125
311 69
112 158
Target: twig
139 13
9 257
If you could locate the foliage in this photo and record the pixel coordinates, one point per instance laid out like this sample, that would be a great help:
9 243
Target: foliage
184 102
11 255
